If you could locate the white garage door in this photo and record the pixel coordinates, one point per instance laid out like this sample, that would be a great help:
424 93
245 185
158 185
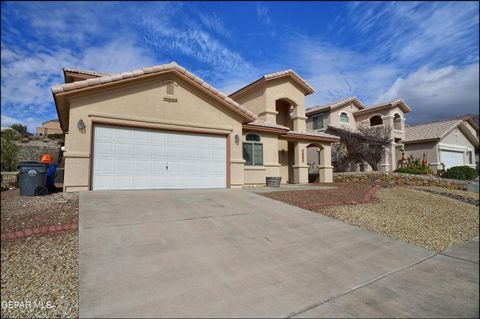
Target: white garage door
130 158
451 159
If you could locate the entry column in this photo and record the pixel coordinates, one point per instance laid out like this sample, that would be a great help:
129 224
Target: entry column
300 168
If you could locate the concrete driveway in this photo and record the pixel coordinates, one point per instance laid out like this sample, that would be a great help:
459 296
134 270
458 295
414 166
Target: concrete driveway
232 253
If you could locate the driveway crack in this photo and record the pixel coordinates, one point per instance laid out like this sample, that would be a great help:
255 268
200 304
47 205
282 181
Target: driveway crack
312 306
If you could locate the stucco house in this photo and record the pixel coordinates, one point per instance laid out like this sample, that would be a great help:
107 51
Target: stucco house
452 142
350 113
163 127
48 127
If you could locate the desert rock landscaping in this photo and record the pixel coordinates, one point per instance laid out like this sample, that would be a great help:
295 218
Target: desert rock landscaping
433 221
39 276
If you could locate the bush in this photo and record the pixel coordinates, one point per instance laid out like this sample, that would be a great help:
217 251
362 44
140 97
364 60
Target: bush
461 172
9 151
414 166
410 170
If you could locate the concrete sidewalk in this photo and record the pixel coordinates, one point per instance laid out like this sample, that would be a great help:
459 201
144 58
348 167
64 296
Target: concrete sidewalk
233 253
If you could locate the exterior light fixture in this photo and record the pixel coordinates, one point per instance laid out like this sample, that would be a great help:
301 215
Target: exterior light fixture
237 139
80 125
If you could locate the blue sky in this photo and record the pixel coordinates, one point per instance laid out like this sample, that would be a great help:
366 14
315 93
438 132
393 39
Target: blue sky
426 53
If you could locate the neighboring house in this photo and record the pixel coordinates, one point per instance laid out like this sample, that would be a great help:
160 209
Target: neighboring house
451 142
351 113
163 127
49 127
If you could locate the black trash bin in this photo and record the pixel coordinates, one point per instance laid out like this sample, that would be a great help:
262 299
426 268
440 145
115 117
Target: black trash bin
33 178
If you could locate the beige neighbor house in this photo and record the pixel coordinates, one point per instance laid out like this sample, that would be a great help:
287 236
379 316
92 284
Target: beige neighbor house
450 142
163 127
49 127
350 114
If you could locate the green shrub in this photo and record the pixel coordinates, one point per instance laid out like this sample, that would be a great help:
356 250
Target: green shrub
9 151
414 166
461 172
413 170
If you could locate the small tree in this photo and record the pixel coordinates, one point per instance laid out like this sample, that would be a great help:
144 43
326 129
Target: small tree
20 129
9 151
366 144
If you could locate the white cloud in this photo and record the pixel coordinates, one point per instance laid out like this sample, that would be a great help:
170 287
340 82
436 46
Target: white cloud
438 93
30 122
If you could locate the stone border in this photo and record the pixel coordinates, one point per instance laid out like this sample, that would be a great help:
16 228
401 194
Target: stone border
400 179
367 198
37 230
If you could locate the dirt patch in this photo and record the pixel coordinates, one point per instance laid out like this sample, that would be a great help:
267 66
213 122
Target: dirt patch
40 271
346 193
20 212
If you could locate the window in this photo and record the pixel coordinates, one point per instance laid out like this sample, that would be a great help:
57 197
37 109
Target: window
376 120
344 118
318 122
253 150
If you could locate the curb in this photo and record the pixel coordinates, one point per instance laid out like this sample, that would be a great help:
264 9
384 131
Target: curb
28 232
367 198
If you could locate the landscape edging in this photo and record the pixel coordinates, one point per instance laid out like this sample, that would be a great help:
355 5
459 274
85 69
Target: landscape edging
37 231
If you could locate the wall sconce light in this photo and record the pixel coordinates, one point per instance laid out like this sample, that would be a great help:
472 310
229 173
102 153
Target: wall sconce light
237 139
80 125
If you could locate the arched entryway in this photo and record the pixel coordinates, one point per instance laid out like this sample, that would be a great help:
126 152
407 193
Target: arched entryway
314 155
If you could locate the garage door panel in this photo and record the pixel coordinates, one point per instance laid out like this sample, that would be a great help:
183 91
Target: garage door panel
451 158
128 158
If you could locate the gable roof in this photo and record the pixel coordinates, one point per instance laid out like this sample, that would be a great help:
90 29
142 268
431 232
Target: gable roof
307 89
335 105
435 131
377 107
53 120
61 90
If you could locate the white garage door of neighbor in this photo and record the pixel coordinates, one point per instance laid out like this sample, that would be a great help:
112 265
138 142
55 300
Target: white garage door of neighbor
451 159
131 158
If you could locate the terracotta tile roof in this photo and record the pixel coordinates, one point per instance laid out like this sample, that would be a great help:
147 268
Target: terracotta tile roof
87 72
308 89
293 74
331 106
139 72
430 131
400 103
262 123
314 134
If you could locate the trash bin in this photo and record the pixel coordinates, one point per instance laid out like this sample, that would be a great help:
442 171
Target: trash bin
33 178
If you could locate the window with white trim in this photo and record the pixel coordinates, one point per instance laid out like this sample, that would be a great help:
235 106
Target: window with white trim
253 150
344 118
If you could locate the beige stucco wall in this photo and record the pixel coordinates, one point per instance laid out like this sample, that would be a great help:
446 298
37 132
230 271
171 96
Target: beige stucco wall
429 148
457 141
143 105
254 100
255 175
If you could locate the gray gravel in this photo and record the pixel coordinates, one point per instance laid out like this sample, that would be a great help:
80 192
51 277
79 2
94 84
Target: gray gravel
41 270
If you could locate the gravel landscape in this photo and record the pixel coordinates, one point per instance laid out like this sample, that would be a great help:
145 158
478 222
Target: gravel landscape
40 273
20 212
428 220
41 270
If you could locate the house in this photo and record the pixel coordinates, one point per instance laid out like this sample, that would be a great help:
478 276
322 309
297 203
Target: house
450 142
350 113
49 127
163 127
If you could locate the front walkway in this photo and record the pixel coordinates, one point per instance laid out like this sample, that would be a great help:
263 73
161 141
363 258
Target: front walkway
233 253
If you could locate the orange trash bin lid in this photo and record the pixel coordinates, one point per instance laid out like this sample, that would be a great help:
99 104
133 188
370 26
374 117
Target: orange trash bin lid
46 158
